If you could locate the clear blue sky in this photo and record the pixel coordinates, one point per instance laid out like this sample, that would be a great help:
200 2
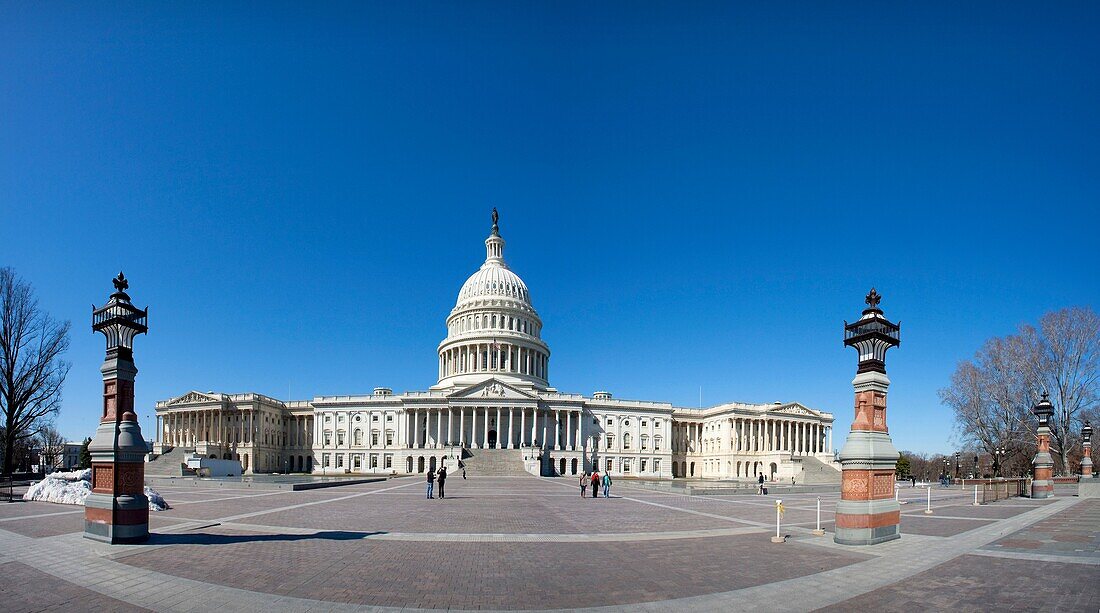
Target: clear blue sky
695 196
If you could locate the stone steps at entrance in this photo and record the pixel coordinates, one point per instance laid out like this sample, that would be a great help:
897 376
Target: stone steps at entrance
495 463
167 464
816 472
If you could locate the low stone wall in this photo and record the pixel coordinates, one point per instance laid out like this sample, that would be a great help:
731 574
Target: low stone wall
1088 488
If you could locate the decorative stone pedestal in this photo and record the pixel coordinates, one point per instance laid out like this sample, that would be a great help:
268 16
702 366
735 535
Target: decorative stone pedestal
1086 459
1042 486
117 511
868 512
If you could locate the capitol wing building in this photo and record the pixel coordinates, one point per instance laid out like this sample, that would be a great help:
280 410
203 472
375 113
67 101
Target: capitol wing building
493 407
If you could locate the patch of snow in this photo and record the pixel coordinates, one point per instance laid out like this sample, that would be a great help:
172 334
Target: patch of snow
73 487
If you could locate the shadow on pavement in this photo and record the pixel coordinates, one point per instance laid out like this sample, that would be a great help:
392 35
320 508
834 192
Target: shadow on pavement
202 538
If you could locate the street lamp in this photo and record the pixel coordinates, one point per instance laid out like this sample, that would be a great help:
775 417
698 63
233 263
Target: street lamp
956 464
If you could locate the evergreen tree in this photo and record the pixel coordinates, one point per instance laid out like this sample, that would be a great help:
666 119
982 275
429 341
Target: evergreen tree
85 455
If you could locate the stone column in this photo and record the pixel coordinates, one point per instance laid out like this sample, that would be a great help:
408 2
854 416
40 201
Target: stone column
867 512
500 431
439 428
116 510
1086 450
534 425
1042 486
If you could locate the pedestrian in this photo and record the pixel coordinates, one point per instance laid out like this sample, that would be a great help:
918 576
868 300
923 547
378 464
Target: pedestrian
442 477
595 484
606 484
431 484
760 480
462 465
914 480
584 483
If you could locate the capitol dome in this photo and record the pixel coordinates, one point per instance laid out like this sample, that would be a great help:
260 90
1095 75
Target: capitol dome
493 331
492 280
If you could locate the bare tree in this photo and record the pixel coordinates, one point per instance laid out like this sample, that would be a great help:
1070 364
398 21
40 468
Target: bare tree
1067 366
992 394
52 445
31 369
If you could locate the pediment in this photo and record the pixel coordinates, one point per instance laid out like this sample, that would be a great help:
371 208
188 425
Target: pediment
194 397
795 409
493 390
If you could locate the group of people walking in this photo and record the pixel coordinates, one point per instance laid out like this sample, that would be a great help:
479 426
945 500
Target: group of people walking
595 479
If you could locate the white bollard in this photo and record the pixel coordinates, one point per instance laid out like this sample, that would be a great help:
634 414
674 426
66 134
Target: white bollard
975 495
777 538
928 511
819 531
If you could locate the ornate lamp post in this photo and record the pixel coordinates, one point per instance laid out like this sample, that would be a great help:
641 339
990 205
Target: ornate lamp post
1086 461
977 472
867 512
1000 465
1042 486
944 473
958 466
117 511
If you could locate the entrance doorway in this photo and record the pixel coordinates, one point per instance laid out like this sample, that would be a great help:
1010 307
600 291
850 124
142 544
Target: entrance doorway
492 439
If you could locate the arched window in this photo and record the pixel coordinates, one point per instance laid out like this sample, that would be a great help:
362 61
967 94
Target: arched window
656 443
358 437
626 440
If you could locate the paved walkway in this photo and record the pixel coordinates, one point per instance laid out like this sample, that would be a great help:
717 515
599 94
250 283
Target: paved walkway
527 543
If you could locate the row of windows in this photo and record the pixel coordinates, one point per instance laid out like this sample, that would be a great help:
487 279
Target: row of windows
609 442
358 417
357 438
337 459
626 465
494 322
626 423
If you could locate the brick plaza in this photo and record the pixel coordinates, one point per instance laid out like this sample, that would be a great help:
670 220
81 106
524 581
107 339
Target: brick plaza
515 543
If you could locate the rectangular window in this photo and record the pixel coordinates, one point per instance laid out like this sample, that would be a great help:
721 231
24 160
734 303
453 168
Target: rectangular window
328 438
374 417
389 461
645 443
374 461
340 438
626 466
374 439
642 468
608 469
389 417
324 460
609 421
357 461
339 460
656 466
643 423
389 438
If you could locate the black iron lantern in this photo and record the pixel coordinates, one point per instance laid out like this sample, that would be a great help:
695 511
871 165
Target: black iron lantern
1044 410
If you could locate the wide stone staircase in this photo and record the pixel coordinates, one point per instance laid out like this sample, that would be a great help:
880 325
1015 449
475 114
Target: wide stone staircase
167 464
816 472
494 463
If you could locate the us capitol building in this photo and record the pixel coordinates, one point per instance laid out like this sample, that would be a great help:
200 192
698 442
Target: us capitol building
493 405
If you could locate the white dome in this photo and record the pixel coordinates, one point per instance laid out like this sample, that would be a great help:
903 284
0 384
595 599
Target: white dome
493 331
494 279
